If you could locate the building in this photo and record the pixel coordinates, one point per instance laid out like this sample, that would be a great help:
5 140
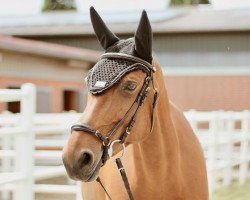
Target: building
57 70
204 52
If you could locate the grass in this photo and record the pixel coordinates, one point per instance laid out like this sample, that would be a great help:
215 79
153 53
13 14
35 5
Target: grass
234 192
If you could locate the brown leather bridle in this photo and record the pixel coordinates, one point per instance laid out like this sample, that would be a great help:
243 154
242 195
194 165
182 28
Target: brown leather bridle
139 101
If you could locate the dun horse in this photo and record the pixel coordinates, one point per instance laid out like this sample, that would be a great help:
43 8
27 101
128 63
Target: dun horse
129 115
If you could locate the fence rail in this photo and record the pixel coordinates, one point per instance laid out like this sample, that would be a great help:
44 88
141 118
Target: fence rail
22 139
50 132
225 138
225 141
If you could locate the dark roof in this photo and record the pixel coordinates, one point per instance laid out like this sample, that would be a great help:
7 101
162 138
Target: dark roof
48 50
201 19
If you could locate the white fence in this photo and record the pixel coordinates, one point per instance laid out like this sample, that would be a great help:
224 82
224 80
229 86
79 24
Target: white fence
50 132
224 137
30 148
23 145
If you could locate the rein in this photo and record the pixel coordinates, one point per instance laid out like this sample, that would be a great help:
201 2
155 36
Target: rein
139 101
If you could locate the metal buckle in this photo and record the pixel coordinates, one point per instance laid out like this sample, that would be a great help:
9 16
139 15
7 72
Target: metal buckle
110 150
154 69
106 141
128 132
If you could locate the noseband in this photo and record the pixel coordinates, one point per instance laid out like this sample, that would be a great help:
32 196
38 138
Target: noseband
106 140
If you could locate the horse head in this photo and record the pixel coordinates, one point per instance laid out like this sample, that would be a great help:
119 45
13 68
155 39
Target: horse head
120 101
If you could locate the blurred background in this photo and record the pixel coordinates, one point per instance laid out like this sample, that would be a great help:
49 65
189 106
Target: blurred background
203 47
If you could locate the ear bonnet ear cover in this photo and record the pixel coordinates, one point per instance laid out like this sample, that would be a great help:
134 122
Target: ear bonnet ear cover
103 34
108 70
143 38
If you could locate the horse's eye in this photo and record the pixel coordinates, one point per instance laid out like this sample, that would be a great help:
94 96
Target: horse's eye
130 86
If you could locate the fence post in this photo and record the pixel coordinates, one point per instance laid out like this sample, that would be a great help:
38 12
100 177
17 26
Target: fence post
192 120
211 164
244 147
228 136
78 192
6 163
24 144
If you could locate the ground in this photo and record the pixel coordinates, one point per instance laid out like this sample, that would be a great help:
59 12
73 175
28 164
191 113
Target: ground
54 197
234 192
61 180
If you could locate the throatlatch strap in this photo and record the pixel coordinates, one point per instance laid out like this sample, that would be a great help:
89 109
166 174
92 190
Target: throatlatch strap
124 177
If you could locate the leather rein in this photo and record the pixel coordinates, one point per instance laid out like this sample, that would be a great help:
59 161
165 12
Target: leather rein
106 140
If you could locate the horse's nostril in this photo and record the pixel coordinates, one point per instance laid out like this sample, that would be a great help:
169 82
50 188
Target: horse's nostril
85 159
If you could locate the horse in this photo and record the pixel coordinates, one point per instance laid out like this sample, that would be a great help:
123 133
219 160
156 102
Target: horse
129 117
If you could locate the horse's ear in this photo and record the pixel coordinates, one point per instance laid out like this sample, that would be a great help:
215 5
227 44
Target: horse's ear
104 35
143 38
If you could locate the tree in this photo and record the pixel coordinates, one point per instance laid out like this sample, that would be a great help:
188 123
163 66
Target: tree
51 5
189 2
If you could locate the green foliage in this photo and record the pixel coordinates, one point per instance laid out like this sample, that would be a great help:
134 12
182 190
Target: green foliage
51 5
188 2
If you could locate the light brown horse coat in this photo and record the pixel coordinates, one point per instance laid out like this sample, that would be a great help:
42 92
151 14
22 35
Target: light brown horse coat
166 164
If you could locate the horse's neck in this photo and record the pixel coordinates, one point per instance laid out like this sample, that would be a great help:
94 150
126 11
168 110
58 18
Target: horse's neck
157 157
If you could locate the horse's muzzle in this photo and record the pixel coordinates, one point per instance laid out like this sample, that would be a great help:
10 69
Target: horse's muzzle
85 168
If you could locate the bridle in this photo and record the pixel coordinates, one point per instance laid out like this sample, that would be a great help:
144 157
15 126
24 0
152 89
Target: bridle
138 103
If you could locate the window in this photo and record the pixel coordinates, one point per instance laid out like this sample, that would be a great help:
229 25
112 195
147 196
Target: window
14 107
44 99
70 100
